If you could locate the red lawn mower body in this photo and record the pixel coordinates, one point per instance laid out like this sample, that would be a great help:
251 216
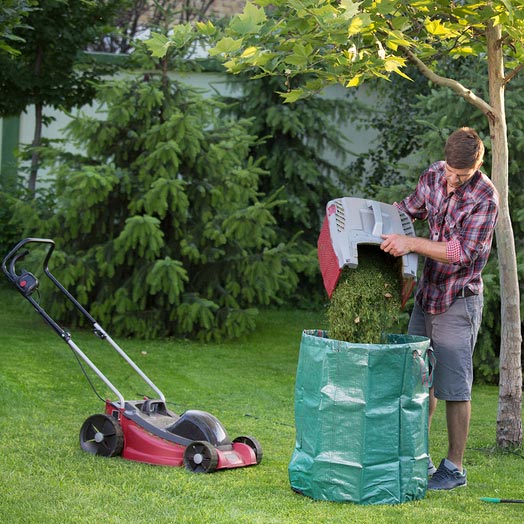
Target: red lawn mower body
156 437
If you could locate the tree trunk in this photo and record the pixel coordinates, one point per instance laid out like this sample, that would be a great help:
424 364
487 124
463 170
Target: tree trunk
35 155
509 421
37 136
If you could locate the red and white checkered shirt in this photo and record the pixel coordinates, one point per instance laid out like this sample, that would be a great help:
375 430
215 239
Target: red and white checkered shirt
466 220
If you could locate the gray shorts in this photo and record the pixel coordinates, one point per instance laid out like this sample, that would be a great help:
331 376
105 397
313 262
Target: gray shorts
453 336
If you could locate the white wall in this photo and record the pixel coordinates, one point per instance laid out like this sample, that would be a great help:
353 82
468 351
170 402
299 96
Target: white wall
209 82
360 140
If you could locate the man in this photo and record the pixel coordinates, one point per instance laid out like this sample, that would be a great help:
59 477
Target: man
460 204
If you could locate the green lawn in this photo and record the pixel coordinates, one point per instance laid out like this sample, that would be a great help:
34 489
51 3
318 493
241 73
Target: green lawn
247 384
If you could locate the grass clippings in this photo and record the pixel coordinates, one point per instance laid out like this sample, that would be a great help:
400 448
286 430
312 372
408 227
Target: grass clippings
367 301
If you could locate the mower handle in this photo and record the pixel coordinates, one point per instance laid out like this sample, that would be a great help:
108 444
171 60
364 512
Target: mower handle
15 255
27 283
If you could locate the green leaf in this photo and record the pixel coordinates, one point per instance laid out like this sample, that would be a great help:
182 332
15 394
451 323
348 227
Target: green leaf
234 66
182 35
262 58
226 46
293 95
401 73
393 63
463 51
350 8
437 28
314 85
249 21
355 81
249 52
206 28
397 39
358 24
158 45
301 55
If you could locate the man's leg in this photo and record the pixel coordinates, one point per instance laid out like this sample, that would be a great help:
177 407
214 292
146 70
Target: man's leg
458 414
454 336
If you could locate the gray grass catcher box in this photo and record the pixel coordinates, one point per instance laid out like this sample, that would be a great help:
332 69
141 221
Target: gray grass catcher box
351 221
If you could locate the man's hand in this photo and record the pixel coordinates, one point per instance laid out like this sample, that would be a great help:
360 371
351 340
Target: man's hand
397 245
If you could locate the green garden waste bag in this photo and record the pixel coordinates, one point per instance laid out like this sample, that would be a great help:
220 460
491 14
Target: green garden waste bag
361 416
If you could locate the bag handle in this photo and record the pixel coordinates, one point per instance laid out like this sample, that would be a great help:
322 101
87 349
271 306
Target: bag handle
426 372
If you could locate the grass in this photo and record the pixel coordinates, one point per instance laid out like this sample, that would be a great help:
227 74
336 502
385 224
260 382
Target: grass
248 384
367 300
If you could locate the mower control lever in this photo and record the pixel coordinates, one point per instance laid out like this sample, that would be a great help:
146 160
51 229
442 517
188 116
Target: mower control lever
26 282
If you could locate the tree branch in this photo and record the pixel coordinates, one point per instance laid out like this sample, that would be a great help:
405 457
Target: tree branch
455 86
513 74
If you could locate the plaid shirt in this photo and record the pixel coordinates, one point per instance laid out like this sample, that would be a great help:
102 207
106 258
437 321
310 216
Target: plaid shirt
465 219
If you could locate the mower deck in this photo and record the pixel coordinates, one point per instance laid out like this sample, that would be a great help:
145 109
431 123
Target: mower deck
146 431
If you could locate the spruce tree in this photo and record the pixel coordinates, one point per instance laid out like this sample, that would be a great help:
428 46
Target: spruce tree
160 226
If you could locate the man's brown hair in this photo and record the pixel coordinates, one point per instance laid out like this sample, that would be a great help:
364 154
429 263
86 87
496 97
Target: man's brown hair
464 148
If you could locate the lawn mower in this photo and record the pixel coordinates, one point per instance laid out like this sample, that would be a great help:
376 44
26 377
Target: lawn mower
142 430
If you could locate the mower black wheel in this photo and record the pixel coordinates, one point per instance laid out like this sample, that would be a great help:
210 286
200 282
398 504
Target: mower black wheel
102 435
200 457
254 444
